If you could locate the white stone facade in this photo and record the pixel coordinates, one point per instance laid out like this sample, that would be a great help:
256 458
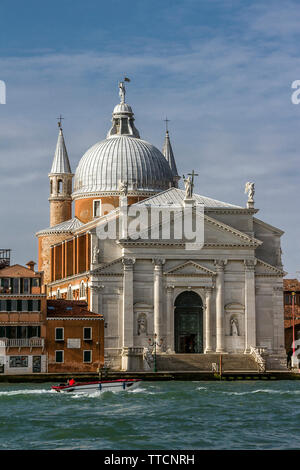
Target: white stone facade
237 274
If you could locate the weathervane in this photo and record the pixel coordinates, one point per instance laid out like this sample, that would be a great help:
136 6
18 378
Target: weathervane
122 90
166 121
60 118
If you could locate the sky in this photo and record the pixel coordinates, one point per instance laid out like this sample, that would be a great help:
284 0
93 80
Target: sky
220 70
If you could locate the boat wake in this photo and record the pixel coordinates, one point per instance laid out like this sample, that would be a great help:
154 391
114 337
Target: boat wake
278 392
25 392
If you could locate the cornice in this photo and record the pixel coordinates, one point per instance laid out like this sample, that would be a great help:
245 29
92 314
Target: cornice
113 193
69 278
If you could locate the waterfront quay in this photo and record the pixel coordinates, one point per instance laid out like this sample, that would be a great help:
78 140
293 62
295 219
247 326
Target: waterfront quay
153 376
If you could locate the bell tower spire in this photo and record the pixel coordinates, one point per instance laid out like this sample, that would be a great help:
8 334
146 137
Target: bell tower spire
60 182
169 155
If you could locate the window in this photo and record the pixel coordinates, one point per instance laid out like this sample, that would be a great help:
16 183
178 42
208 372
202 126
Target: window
36 305
87 356
97 208
59 356
14 305
69 293
26 286
5 285
18 361
59 186
35 282
87 333
59 334
16 285
82 290
34 331
58 294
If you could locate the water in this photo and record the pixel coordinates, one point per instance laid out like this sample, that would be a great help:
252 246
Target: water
157 415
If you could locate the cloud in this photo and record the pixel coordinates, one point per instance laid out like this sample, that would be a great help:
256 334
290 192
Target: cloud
227 95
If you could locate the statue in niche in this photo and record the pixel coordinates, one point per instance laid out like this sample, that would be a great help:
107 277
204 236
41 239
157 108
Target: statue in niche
234 327
142 325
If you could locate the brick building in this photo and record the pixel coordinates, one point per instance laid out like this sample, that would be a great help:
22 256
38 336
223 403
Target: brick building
22 320
39 335
74 338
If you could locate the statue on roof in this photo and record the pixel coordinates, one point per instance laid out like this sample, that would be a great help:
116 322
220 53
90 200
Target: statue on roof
249 188
122 92
123 187
188 187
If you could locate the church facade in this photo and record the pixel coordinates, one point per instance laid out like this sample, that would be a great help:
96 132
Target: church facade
223 295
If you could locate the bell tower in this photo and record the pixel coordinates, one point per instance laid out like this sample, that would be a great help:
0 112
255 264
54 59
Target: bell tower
60 183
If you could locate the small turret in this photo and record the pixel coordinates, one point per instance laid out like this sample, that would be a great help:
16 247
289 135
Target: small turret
60 183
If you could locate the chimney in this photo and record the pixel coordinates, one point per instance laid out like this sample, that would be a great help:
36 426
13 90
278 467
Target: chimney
30 265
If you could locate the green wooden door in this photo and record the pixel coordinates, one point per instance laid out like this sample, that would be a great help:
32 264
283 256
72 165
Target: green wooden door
188 323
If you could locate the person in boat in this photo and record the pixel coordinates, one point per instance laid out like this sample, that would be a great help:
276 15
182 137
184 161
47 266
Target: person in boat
71 382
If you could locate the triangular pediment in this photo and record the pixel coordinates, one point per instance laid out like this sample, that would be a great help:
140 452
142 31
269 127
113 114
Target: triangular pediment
265 269
190 268
218 233
114 268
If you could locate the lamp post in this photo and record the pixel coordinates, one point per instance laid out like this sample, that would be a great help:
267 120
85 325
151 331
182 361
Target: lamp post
293 315
155 343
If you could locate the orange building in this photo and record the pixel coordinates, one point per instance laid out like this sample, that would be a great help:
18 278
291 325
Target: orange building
75 337
22 320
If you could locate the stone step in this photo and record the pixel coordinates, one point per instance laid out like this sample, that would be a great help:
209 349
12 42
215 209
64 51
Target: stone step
203 362
275 362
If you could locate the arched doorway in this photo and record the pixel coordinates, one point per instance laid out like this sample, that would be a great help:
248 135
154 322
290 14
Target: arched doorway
188 323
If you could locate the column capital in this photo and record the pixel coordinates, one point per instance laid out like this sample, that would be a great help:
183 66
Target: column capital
158 262
208 290
96 288
220 264
128 263
170 288
250 264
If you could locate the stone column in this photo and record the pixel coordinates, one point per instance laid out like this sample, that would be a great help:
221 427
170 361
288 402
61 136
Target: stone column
250 311
208 329
220 332
128 302
158 301
96 298
170 319
278 319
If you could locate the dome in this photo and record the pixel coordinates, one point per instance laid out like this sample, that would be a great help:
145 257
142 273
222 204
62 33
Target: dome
122 158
